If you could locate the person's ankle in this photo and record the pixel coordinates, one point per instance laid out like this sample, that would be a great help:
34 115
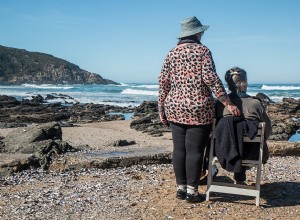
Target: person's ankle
192 190
182 187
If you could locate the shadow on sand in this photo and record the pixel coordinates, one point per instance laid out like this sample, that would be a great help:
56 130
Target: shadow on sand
276 194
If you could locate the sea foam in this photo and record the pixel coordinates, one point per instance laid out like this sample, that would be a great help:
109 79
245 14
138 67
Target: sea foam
47 86
265 87
139 92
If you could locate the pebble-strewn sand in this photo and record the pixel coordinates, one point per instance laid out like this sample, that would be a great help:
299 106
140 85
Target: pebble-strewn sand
100 136
139 192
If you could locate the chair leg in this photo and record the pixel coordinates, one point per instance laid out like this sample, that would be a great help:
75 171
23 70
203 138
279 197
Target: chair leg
257 201
207 196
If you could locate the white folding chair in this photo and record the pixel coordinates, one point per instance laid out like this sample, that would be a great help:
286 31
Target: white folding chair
231 188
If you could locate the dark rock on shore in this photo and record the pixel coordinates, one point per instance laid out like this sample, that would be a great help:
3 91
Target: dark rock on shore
37 110
285 118
122 143
18 66
36 146
146 119
31 139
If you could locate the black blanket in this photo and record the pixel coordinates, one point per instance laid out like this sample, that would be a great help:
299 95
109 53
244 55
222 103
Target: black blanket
229 147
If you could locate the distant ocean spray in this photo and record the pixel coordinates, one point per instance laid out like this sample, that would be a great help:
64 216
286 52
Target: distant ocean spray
132 94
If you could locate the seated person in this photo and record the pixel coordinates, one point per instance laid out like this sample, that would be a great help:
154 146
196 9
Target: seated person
252 112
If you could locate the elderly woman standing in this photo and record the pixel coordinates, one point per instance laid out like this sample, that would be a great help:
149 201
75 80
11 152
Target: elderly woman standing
186 83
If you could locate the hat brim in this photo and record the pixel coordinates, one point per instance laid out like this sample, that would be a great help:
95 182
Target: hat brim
192 32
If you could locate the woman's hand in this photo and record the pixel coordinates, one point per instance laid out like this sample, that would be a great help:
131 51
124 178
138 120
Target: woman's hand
233 110
163 118
228 104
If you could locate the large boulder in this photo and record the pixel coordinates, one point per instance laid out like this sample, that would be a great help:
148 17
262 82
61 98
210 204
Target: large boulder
32 147
31 139
285 118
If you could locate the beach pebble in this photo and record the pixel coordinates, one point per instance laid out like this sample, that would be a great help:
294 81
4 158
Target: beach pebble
126 193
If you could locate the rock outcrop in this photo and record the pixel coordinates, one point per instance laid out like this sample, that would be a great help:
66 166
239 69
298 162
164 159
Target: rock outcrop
146 119
19 66
37 110
32 147
285 118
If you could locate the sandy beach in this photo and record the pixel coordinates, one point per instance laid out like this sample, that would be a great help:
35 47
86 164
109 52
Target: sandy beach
101 136
141 191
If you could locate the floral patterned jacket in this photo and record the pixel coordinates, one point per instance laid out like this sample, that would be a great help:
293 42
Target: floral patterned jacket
186 83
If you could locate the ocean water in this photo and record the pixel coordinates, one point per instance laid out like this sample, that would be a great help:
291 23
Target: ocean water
131 94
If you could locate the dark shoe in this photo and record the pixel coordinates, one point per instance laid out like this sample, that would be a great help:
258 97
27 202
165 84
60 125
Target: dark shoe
194 199
180 194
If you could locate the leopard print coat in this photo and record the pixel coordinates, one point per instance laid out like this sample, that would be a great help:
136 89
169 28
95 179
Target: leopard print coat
187 80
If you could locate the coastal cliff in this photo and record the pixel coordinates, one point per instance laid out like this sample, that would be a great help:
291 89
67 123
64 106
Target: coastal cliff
18 66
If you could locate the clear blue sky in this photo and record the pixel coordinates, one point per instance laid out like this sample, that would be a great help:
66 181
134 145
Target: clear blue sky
127 40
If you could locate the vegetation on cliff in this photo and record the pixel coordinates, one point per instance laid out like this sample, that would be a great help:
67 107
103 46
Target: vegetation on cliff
18 66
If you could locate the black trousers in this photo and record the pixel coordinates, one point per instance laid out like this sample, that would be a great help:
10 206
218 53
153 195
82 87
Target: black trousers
189 143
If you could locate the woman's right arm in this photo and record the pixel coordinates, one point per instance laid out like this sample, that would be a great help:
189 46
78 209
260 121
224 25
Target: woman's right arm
211 79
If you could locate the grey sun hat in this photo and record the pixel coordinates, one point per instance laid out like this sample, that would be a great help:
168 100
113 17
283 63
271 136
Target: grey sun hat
191 26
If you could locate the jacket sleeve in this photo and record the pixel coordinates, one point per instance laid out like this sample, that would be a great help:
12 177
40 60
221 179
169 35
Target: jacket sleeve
164 82
210 77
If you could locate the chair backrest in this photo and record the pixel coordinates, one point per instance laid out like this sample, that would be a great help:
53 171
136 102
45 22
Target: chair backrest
259 139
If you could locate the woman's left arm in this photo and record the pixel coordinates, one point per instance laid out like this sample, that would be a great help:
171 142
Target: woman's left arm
164 88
